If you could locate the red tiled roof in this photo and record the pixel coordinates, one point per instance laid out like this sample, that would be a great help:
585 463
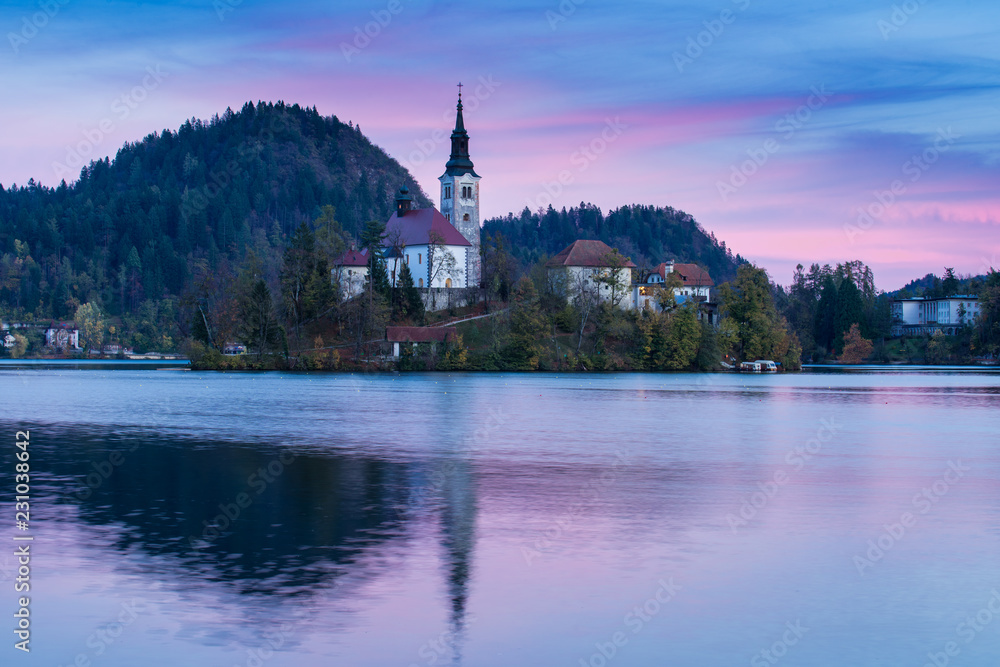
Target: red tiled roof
585 253
420 334
416 226
691 275
352 258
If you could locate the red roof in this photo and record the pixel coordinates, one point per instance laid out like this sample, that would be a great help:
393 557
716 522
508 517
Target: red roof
691 275
586 253
416 226
420 334
352 258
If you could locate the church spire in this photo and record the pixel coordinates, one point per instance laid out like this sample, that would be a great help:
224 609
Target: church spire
460 162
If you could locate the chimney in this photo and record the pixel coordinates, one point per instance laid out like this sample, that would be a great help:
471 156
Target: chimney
404 202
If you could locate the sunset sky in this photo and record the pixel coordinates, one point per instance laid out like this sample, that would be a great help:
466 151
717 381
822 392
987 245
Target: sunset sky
805 132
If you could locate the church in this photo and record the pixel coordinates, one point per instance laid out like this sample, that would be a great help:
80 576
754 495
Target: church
440 247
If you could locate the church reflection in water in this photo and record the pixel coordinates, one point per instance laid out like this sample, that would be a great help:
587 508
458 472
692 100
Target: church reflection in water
261 521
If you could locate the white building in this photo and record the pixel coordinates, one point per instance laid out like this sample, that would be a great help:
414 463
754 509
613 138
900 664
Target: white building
441 248
63 336
422 238
350 271
591 267
695 285
919 316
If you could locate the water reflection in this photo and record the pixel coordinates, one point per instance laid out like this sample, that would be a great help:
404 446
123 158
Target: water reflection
392 539
284 527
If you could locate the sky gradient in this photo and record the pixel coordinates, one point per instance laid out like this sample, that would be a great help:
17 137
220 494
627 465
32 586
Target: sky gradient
805 133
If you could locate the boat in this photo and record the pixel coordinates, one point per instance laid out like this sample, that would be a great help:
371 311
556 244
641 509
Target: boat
759 366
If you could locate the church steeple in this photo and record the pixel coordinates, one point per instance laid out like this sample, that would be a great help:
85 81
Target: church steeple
460 193
460 162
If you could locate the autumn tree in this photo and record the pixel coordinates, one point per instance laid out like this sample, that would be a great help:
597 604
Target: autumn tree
20 346
856 347
91 325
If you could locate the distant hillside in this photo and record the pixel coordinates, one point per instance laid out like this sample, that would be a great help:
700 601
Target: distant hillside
647 234
209 190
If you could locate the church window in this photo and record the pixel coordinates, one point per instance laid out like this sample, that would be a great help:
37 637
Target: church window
421 282
420 258
447 283
465 217
447 192
466 192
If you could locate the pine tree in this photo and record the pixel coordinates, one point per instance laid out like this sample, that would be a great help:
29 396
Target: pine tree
260 328
850 310
527 325
410 303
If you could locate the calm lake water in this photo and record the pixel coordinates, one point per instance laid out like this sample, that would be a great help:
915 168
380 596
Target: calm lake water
825 518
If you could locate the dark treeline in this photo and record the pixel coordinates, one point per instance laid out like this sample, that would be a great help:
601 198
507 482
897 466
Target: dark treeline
933 286
823 303
134 233
223 233
648 235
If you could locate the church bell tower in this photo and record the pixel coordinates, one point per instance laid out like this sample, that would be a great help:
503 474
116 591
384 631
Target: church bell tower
460 193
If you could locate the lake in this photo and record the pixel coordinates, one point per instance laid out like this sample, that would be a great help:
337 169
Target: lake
824 518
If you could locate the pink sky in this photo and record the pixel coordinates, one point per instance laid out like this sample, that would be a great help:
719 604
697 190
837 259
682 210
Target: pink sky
555 86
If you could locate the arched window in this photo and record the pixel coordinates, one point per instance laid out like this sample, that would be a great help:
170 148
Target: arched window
420 258
447 283
447 192
421 282
465 217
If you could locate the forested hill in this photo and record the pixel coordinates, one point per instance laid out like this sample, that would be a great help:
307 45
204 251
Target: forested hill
206 192
647 234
